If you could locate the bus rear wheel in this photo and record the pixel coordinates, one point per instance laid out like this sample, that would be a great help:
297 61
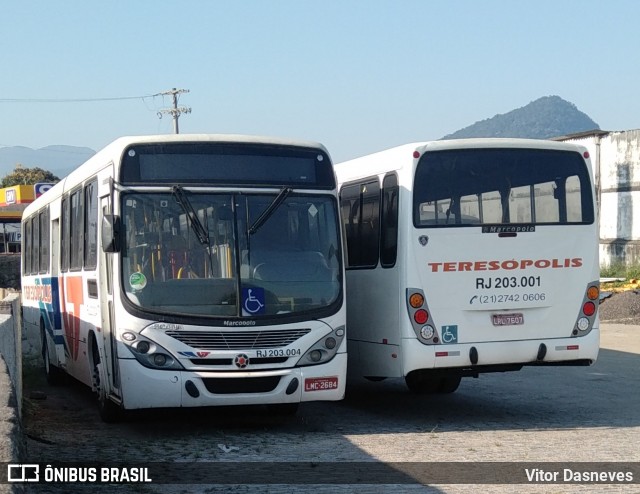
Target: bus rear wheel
55 375
419 382
450 384
424 382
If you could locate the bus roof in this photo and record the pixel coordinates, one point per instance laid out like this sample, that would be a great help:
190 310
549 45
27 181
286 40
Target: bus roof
396 158
478 142
113 152
125 141
494 142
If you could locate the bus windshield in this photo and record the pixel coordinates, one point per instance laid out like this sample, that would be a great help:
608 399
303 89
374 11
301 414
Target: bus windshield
497 186
196 253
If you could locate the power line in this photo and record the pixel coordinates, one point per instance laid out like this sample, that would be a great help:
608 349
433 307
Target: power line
175 111
73 100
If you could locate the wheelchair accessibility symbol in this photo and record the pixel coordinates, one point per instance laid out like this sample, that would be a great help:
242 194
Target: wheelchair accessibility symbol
450 334
252 301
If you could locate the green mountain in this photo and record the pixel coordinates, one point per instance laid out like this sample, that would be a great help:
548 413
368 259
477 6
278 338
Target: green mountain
546 117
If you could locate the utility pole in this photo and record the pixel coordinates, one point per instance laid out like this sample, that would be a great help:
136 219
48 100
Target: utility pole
176 111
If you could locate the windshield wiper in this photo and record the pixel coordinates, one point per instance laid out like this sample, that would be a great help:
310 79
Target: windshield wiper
266 214
192 216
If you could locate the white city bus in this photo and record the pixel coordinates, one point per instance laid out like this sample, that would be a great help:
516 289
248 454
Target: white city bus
469 256
191 270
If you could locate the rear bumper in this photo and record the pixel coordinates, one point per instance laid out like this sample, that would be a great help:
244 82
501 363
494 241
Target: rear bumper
505 355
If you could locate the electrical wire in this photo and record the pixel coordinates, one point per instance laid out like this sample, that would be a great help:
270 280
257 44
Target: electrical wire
74 100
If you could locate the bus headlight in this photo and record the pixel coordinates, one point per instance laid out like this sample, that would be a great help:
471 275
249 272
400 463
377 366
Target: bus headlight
149 353
143 347
324 349
330 343
160 359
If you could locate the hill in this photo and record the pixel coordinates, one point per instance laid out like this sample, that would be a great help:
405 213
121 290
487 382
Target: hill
59 160
546 117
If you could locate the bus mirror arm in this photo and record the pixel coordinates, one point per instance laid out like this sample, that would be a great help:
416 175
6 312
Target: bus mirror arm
111 227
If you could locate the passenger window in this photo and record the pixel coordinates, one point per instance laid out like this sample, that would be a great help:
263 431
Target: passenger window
360 204
389 228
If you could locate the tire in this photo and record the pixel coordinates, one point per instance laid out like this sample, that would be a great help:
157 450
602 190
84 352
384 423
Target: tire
423 382
109 411
419 382
54 374
449 384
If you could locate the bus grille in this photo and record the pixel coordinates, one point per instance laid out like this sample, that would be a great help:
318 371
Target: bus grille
240 340
225 386
229 361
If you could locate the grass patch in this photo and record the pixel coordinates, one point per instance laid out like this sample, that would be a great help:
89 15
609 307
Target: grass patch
630 275
620 270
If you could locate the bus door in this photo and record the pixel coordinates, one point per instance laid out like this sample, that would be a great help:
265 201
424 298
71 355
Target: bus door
56 322
107 313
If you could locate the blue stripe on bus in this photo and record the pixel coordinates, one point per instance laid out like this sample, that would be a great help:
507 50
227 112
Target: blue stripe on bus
50 311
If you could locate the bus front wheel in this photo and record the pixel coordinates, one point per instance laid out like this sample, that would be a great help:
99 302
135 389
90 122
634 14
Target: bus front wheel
109 411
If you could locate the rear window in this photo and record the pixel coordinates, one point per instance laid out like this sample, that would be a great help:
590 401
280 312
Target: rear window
469 187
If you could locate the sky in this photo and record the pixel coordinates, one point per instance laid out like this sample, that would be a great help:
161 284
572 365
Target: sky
358 76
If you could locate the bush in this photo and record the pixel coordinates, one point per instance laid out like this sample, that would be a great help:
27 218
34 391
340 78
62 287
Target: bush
620 270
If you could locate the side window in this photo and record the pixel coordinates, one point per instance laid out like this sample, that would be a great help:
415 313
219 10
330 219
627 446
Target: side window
389 221
91 225
349 201
360 205
65 236
35 243
27 247
44 241
76 230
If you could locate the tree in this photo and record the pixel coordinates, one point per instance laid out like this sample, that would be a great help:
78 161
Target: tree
28 176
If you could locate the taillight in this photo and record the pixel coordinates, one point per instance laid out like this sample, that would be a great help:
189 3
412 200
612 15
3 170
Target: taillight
421 316
416 300
418 312
589 309
587 315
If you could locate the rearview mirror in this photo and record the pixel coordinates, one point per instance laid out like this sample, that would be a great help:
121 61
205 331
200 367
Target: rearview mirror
111 233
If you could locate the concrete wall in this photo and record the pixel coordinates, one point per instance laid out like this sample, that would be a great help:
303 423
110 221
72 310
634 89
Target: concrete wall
616 160
11 341
10 271
12 445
